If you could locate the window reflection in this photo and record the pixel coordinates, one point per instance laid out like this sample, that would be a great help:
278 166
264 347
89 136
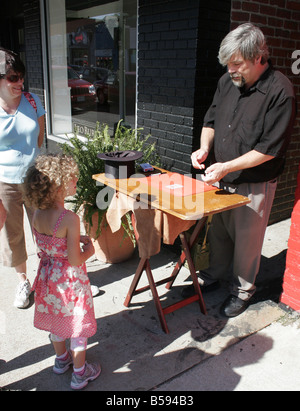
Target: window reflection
83 93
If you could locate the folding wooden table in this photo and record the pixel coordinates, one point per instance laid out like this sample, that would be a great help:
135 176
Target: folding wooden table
195 207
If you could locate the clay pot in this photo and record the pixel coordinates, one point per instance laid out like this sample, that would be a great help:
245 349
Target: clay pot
110 247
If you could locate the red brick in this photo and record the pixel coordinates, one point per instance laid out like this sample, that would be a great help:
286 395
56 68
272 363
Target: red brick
291 293
292 279
239 16
293 5
268 10
279 3
236 5
295 246
259 19
252 7
291 302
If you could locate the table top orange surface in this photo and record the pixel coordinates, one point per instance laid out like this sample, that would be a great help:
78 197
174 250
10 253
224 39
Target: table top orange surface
186 207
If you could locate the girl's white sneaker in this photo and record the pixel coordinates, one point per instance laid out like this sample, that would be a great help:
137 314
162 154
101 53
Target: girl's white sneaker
91 372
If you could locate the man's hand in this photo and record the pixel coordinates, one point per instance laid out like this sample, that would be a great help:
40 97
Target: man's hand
206 142
198 158
215 173
218 171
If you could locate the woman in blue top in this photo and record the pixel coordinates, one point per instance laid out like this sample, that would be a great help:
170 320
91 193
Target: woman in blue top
21 136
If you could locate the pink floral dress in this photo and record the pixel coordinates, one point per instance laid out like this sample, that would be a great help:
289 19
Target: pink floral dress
63 298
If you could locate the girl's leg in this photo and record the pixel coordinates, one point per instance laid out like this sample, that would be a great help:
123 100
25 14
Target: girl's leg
78 348
63 358
60 348
59 345
83 372
79 359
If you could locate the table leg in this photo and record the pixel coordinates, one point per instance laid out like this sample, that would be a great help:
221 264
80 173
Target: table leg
144 264
191 242
135 281
189 258
156 298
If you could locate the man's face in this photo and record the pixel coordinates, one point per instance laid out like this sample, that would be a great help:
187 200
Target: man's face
243 72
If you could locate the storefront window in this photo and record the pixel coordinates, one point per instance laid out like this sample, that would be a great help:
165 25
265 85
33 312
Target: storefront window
92 63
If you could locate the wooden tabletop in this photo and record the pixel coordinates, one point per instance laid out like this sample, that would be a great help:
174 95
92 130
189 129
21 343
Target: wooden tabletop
191 207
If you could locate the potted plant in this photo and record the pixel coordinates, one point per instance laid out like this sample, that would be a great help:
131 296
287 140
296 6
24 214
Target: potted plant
84 151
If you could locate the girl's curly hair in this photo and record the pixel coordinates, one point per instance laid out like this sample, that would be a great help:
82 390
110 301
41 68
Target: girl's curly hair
45 177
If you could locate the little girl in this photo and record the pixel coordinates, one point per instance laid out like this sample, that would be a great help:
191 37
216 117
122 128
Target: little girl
63 300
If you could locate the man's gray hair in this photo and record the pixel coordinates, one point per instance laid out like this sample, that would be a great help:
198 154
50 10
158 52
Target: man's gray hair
247 39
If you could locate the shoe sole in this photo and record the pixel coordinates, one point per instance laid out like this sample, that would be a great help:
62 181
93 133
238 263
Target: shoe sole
85 383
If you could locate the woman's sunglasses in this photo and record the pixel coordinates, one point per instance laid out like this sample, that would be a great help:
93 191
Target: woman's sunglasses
14 78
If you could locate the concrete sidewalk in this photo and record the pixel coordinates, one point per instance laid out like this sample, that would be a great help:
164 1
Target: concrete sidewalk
258 350
267 360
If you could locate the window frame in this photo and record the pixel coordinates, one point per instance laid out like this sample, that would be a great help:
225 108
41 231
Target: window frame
45 35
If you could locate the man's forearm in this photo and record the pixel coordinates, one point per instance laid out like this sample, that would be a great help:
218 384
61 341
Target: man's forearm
207 139
217 171
251 159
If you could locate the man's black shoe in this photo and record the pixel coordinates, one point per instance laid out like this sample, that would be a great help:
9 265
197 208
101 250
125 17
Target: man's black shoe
233 306
189 291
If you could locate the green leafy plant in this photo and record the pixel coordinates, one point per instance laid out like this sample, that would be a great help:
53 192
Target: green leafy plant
85 150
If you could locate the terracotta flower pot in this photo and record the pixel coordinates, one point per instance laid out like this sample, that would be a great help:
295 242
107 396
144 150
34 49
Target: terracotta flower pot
110 247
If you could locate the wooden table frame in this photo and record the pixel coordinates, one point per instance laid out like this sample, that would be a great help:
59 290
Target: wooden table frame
144 265
214 202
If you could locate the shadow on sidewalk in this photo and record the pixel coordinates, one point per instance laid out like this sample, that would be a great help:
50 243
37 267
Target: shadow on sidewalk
136 355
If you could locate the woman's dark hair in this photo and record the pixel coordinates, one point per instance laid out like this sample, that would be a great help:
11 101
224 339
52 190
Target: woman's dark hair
10 61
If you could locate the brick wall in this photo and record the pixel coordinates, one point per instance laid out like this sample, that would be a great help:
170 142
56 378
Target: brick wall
214 24
291 284
176 54
166 77
280 22
178 73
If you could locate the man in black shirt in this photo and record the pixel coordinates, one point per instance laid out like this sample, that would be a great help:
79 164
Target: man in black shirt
247 128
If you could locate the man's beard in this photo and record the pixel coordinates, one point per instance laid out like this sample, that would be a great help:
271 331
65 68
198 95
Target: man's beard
238 81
